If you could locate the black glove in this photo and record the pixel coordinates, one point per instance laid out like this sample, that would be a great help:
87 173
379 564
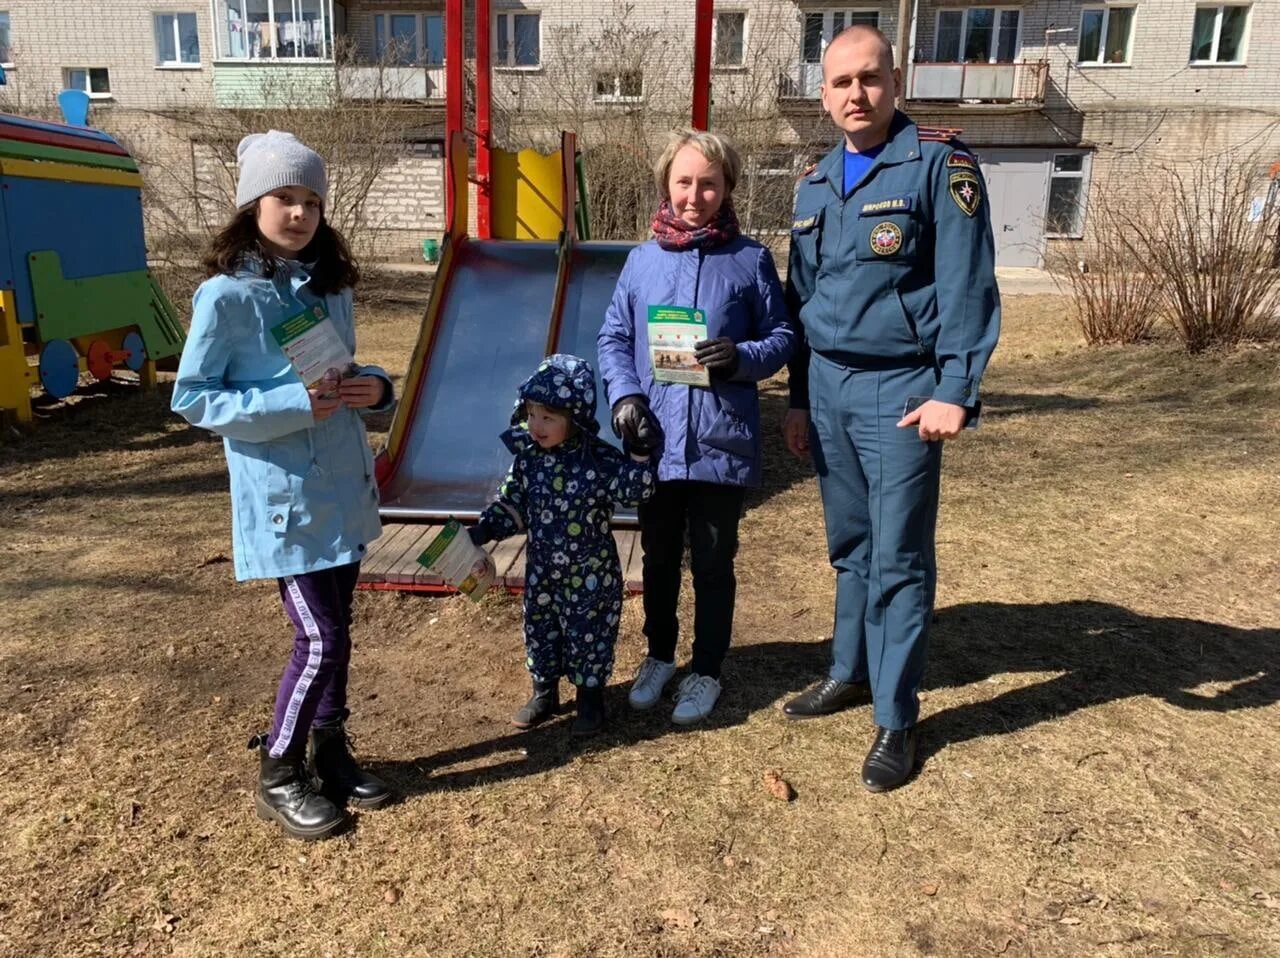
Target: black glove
719 355
635 424
477 535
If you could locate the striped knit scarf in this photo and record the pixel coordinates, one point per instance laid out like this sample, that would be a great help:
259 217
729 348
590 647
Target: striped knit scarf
673 233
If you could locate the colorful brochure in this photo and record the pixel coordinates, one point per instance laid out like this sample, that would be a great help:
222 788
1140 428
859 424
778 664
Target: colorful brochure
313 345
672 332
460 562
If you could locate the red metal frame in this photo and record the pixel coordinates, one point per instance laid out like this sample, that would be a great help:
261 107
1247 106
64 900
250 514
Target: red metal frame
444 589
484 129
454 92
703 20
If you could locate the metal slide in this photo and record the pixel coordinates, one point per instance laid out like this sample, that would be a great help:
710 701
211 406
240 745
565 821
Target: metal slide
492 331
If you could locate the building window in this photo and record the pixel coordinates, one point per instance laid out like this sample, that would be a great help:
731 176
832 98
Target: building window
730 38
177 39
517 40
624 87
1219 34
823 26
978 35
1106 35
1065 216
409 38
275 29
6 52
93 80
765 197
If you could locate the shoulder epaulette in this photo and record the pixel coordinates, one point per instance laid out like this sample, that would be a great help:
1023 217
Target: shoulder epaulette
808 169
938 134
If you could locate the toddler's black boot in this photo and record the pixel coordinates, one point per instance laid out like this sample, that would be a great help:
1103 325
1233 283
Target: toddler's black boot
287 795
544 703
341 779
590 717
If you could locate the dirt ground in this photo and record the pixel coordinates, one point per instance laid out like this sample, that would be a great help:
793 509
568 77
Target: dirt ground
1100 740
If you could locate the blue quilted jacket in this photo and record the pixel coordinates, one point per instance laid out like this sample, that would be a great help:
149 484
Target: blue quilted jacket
712 434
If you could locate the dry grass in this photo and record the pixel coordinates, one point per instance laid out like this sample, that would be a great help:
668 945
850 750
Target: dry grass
1100 736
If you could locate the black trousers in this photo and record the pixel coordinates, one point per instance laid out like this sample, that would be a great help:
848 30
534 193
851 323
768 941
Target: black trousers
710 512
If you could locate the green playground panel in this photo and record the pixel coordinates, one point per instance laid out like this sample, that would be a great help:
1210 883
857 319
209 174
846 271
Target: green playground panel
70 308
21 150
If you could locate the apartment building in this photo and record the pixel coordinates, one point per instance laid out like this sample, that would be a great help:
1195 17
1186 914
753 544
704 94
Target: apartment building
1055 96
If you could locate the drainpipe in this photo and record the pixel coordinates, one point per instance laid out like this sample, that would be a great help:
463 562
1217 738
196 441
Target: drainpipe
906 19
702 24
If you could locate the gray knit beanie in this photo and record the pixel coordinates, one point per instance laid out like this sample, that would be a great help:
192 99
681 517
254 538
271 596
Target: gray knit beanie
273 159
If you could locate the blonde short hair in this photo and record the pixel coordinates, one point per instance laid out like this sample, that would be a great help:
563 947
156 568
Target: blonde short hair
713 146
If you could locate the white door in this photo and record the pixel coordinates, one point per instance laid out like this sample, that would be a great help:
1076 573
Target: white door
1017 185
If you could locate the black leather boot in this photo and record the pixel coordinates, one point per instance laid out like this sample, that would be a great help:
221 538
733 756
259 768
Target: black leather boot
287 795
341 779
891 759
590 717
543 704
826 698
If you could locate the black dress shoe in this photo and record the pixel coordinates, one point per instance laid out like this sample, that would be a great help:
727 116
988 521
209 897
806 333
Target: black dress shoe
827 697
891 759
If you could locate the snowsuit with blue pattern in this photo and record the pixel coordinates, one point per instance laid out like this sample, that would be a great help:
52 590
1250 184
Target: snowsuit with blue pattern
564 498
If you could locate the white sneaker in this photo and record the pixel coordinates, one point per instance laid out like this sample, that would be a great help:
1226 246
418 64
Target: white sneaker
695 699
651 678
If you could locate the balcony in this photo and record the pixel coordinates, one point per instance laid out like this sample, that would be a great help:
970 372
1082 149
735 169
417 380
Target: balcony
418 83
992 83
803 81
1021 82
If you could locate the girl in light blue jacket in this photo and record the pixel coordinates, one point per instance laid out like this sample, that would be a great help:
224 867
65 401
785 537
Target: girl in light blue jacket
303 498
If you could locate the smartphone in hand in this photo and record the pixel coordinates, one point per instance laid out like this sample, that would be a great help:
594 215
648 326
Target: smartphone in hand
915 402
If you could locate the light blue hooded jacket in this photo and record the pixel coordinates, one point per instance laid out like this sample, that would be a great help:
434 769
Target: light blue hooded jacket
303 496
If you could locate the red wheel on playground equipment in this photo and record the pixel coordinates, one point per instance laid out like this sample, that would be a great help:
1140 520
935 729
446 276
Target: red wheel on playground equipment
100 360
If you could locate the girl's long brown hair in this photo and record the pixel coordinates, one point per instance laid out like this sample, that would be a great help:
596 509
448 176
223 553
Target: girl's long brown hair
239 241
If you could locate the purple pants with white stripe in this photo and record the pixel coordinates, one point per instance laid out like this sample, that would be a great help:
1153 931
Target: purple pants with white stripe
313 688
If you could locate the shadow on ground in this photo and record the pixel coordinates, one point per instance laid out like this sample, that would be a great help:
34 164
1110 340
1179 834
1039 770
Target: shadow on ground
1104 653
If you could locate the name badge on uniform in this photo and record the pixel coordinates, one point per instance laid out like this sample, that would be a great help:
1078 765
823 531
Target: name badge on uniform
892 204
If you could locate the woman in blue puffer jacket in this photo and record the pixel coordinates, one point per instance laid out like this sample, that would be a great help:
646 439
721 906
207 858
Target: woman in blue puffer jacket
697 260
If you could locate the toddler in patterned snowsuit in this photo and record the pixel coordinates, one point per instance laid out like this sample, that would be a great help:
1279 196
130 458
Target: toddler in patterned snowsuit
561 490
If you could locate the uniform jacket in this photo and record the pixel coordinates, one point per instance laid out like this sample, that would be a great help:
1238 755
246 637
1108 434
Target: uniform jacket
712 434
900 271
303 496
565 496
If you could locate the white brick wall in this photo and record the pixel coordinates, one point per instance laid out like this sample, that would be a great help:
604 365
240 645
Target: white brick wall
1157 103
48 36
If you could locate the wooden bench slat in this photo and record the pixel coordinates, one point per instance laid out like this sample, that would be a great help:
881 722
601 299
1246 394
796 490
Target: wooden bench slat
405 568
507 553
393 558
382 552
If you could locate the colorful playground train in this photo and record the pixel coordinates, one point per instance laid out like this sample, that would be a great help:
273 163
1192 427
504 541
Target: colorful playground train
75 292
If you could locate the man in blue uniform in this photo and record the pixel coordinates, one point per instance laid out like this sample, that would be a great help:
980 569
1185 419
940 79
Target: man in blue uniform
892 277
